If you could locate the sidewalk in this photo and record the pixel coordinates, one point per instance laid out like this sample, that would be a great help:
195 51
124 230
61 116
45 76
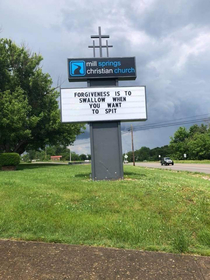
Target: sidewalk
33 260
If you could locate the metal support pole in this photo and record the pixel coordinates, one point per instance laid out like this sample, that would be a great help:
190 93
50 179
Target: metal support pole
100 41
94 49
107 48
106 143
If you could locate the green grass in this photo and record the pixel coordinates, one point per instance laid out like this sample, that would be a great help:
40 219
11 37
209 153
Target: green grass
151 209
206 161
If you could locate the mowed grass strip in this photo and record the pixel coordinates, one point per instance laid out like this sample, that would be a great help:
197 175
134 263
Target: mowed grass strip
204 161
151 209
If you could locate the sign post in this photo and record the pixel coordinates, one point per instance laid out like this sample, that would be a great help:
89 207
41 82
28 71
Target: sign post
106 144
103 105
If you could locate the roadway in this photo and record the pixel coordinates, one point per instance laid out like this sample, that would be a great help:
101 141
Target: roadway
202 168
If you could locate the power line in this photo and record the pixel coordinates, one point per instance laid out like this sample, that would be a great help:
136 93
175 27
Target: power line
162 125
171 123
179 119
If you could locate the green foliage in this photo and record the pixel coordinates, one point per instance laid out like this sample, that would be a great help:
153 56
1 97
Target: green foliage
57 150
197 129
83 157
194 142
148 154
178 143
142 154
74 156
9 159
130 156
199 146
29 113
162 151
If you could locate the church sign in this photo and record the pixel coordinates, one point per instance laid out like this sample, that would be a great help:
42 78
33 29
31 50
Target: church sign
83 69
103 104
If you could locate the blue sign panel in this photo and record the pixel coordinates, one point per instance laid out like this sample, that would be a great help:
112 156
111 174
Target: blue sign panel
121 68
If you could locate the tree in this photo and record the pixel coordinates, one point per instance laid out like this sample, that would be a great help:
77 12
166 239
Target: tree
142 154
160 151
197 129
83 157
195 142
29 113
199 146
58 150
178 143
74 156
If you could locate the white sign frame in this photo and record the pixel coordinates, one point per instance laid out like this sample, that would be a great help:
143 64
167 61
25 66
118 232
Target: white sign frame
95 104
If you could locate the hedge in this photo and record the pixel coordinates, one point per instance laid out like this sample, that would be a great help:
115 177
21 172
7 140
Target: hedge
9 159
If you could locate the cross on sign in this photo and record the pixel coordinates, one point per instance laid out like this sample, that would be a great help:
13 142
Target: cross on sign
107 46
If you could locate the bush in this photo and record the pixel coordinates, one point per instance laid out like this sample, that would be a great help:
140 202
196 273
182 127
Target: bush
9 159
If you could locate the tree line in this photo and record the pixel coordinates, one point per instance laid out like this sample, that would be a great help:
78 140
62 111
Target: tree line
145 153
193 142
45 154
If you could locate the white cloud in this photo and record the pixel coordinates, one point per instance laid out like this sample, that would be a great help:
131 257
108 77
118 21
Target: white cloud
81 147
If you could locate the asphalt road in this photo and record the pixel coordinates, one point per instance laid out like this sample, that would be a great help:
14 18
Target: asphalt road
203 168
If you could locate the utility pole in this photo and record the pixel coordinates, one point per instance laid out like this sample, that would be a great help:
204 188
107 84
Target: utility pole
132 145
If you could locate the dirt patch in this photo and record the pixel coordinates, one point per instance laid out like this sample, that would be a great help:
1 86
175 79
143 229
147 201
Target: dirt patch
202 177
130 179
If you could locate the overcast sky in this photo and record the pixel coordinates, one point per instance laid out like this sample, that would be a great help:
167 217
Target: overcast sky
170 40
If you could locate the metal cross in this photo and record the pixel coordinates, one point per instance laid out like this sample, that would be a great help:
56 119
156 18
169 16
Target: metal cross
99 36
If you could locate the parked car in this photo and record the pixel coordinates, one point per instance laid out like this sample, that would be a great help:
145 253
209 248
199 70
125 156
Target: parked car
166 161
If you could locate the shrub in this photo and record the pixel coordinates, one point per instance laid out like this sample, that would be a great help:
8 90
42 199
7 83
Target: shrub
9 159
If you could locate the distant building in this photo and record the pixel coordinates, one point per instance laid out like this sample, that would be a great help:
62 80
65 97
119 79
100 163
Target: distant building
56 158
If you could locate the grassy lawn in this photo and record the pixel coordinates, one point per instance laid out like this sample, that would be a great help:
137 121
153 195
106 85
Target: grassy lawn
206 161
151 209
